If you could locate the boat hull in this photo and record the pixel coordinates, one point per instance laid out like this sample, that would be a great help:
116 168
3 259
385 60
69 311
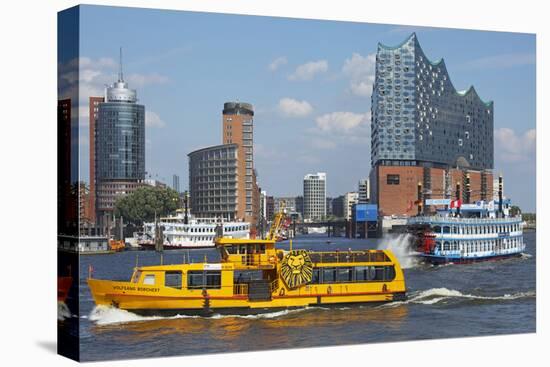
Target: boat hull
250 311
152 300
441 260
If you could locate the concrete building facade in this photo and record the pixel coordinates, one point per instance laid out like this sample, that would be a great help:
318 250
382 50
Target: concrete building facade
315 196
213 182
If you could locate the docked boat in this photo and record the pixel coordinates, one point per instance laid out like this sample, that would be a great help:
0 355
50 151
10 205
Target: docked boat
468 233
254 276
185 231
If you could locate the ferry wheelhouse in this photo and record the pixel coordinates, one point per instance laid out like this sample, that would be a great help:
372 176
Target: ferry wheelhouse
468 233
253 276
185 231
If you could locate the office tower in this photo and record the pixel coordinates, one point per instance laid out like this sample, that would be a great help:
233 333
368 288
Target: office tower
119 147
350 199
176 183
364 191
238 128
213 182
315 195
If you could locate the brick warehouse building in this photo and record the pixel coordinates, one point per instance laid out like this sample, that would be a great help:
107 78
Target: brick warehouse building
427 139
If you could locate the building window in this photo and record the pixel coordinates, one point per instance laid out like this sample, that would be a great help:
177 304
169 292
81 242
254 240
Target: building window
392 179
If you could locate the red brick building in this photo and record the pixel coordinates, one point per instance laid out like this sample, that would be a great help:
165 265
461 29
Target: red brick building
396 188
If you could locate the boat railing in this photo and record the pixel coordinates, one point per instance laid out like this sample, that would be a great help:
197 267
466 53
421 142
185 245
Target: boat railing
274 285
440 219
240 288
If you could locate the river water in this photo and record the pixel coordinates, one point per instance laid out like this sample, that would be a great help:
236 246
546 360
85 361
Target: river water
487 298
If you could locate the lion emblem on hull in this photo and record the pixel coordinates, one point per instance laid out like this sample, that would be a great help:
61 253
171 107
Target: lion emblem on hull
296 268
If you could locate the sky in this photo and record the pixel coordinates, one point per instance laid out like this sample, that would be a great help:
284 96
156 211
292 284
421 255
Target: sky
310 82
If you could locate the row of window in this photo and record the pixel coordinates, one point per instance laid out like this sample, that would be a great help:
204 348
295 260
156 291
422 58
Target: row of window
479 246
350 274
477 229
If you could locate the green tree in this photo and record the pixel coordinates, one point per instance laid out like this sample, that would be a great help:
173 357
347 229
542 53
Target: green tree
515 210
141 205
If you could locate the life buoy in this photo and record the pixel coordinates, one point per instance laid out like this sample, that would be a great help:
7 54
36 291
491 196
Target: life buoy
329 290
282 292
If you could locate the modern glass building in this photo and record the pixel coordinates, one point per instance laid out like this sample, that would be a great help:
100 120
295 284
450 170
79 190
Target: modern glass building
418 115
119 144
120 135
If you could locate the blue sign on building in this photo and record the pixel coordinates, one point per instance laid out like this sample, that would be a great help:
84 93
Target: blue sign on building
366 212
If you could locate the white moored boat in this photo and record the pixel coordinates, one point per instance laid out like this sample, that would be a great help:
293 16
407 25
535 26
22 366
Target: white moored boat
179 231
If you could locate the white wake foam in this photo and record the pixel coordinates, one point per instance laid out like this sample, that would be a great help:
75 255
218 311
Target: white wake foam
435 295
400 245
106 315
63 311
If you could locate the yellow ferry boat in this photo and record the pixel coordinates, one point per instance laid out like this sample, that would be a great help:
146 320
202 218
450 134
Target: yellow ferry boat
253 277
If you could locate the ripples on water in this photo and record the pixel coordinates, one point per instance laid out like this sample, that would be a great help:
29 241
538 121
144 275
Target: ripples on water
444 301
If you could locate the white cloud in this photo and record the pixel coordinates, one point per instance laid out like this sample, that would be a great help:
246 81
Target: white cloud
152 119
89 76
308 70
513 147
343 122
277 63
340 129
293 108
360 70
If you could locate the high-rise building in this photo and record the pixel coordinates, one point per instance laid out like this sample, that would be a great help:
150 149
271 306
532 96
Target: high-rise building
425 134
263 205
176 183
329 209
338 206
299 201
93 114
119 146
315 196
350 199
238 128
269 207
213 182
363 190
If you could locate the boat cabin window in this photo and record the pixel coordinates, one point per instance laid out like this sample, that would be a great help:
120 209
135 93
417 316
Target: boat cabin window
198 279
446 229
328 275
149 279
245 249
344 275
352 274
246 276
172 279
437 229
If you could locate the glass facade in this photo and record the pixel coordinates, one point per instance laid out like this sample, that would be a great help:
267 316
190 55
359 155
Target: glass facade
120 141
417 114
